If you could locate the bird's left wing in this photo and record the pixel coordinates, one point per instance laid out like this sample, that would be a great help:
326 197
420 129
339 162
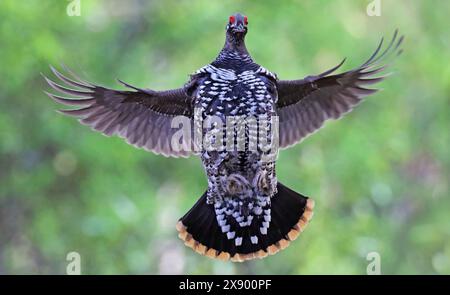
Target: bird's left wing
142 117
304 105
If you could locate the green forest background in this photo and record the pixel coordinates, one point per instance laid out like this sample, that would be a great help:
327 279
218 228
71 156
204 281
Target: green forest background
380 176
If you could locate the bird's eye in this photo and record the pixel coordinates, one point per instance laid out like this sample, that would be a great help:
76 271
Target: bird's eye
245 20
232 19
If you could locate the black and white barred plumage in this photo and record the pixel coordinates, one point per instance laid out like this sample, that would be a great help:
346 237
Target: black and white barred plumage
245 212
240 183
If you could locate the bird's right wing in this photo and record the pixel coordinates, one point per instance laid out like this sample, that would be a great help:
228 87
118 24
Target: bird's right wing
143 117
304 105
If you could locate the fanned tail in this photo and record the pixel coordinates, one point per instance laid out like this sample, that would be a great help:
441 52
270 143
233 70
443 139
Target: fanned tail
269 232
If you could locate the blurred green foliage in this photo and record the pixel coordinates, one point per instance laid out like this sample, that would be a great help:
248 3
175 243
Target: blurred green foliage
379 176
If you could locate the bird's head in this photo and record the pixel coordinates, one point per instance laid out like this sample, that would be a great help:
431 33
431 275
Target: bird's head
237 27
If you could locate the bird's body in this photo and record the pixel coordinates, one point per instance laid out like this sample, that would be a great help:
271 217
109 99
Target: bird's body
240 181
245 212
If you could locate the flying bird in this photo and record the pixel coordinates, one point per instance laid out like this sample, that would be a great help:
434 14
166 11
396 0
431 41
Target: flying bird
245 212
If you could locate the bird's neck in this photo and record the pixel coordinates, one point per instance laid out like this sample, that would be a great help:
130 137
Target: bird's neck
234 49
235 44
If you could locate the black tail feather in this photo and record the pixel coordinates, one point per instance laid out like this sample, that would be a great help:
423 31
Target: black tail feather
290 213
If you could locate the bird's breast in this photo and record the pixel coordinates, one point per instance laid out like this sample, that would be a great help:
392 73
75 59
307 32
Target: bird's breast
225 93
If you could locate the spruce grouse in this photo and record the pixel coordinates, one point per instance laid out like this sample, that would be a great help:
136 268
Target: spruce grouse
245 212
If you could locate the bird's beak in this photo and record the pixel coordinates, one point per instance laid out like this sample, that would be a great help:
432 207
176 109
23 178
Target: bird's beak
239 28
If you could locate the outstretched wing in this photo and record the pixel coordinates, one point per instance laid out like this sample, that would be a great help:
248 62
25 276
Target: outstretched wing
142 117
304 105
